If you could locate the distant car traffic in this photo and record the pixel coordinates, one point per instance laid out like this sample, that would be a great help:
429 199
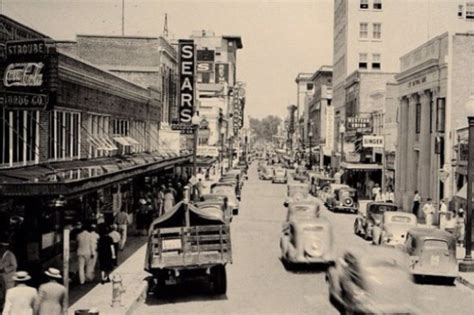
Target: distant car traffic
394 228
365 222
279 175
266 173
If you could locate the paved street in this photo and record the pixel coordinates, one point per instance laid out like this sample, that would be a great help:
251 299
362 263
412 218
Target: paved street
258 282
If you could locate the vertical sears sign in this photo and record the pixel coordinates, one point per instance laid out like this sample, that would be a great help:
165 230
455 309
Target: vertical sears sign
186 106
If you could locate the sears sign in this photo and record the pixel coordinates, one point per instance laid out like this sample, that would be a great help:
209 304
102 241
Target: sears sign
186 81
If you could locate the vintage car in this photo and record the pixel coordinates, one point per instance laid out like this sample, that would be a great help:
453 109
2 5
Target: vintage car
297 192
300 174
266 173
342 198
302 209
320 182
229 192
394 228
229 181
307 241
279 175
372 281
431 252
187 243
232 203
215 206
365 222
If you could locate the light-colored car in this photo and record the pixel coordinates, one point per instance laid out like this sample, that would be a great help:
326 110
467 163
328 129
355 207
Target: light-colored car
374 281
302 209
307 241
229 192
432 252
342 198
233 204
266 173
365 222
393 229
279 176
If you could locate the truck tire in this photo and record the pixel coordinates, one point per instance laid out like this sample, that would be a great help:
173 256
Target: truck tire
219 279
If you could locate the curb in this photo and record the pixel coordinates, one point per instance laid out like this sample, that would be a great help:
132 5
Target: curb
465 282
142 292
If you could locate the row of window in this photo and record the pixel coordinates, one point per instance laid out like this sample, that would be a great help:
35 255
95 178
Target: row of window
376 30
468 13
440 116
364 62
376 4
64 135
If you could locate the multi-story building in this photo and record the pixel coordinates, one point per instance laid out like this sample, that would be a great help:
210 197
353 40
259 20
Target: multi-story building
435 81
318 106
304 89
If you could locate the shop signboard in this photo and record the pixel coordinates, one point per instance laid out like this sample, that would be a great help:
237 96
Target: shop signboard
27 74
372 141
222 72
329 144
207 150
187 69
205 67
205 55
359 124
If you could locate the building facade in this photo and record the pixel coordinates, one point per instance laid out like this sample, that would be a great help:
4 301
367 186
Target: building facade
304 91
435 81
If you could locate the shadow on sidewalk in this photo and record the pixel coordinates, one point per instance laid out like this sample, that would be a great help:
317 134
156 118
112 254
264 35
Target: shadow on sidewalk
77 291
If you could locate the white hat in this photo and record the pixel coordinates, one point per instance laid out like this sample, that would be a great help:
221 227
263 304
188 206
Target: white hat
21 276
53 273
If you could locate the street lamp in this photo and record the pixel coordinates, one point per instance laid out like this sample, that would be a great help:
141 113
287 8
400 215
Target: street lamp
310 135
342 130
195 121
467 265
222 131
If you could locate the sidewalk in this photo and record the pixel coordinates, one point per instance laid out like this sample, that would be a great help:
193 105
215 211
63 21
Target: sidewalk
465 278
134 282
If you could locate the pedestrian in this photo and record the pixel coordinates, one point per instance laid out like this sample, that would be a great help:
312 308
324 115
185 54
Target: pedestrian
122 222
428 211
376 192
443 212
84 253
416 203
107 255
370 187
168 201
461 224
115 235
141 216
390 197
8 265
94 239
160 199
52 295
21 299
200 188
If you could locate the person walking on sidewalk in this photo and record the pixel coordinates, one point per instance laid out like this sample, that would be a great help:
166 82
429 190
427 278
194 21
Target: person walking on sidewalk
52 295
94 239
21 299
428 211
8 265
416 204
122 221
168 201
115 235
84 253
106 255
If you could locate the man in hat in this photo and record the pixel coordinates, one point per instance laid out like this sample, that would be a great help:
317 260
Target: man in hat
90 267
84 253
52 295
21 299
122 222
8 264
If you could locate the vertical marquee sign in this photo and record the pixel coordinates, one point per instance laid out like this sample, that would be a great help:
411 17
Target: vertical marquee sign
187 95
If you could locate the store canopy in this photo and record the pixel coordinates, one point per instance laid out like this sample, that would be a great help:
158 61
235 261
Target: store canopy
361 166
132 141
462 193
122 141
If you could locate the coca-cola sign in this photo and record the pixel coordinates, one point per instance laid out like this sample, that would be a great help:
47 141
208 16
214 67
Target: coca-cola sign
24 74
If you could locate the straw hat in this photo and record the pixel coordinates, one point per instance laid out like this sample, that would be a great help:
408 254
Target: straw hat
21 276
142 201
53 273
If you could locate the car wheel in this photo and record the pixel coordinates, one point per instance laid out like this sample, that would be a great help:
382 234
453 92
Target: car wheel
219 279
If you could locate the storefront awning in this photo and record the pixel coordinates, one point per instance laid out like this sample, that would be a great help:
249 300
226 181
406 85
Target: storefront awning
462 193
361 166
122 141
132 141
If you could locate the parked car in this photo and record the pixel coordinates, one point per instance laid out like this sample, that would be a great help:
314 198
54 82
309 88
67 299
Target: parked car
372 282
342 198
320 184
302 209
279 175
365 222
393 229
300 174
221 200
432 252
307 241
266 173
229 192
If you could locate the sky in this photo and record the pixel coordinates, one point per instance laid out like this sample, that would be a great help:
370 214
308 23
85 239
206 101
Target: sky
280 38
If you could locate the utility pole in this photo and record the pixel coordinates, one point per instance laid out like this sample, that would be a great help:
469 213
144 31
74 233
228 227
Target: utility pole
165 27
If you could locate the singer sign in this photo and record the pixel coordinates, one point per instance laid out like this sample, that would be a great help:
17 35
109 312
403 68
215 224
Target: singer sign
26 75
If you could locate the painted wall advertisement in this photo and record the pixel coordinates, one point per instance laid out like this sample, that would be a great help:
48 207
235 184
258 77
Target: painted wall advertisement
222 72
27 74
329 145
187 70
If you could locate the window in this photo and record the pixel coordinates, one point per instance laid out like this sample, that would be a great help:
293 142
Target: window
363 30
440 114
377 4
363 61
364 4
309 86
18 136
418 118
64 133
376 61
470 10
377 31
460 10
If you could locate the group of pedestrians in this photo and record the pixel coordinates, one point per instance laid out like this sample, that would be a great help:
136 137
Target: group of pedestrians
49 299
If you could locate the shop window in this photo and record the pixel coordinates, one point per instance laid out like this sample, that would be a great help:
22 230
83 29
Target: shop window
441 115
309 86
377 4
418 118
363 61
363 30
364 4
64 133
470 10
377 31
376 62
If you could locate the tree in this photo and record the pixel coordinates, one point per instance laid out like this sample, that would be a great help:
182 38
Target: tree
265 128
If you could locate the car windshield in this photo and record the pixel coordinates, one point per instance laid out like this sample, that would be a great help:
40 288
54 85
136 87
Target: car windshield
401 219
382 208
435 244
313 228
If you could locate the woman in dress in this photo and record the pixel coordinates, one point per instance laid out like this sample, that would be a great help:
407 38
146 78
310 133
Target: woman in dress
106 255
52 295
168 200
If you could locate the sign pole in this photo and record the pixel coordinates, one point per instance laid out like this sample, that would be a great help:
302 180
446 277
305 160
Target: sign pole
66 245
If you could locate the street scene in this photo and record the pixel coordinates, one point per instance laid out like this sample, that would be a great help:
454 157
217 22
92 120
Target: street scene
236 157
